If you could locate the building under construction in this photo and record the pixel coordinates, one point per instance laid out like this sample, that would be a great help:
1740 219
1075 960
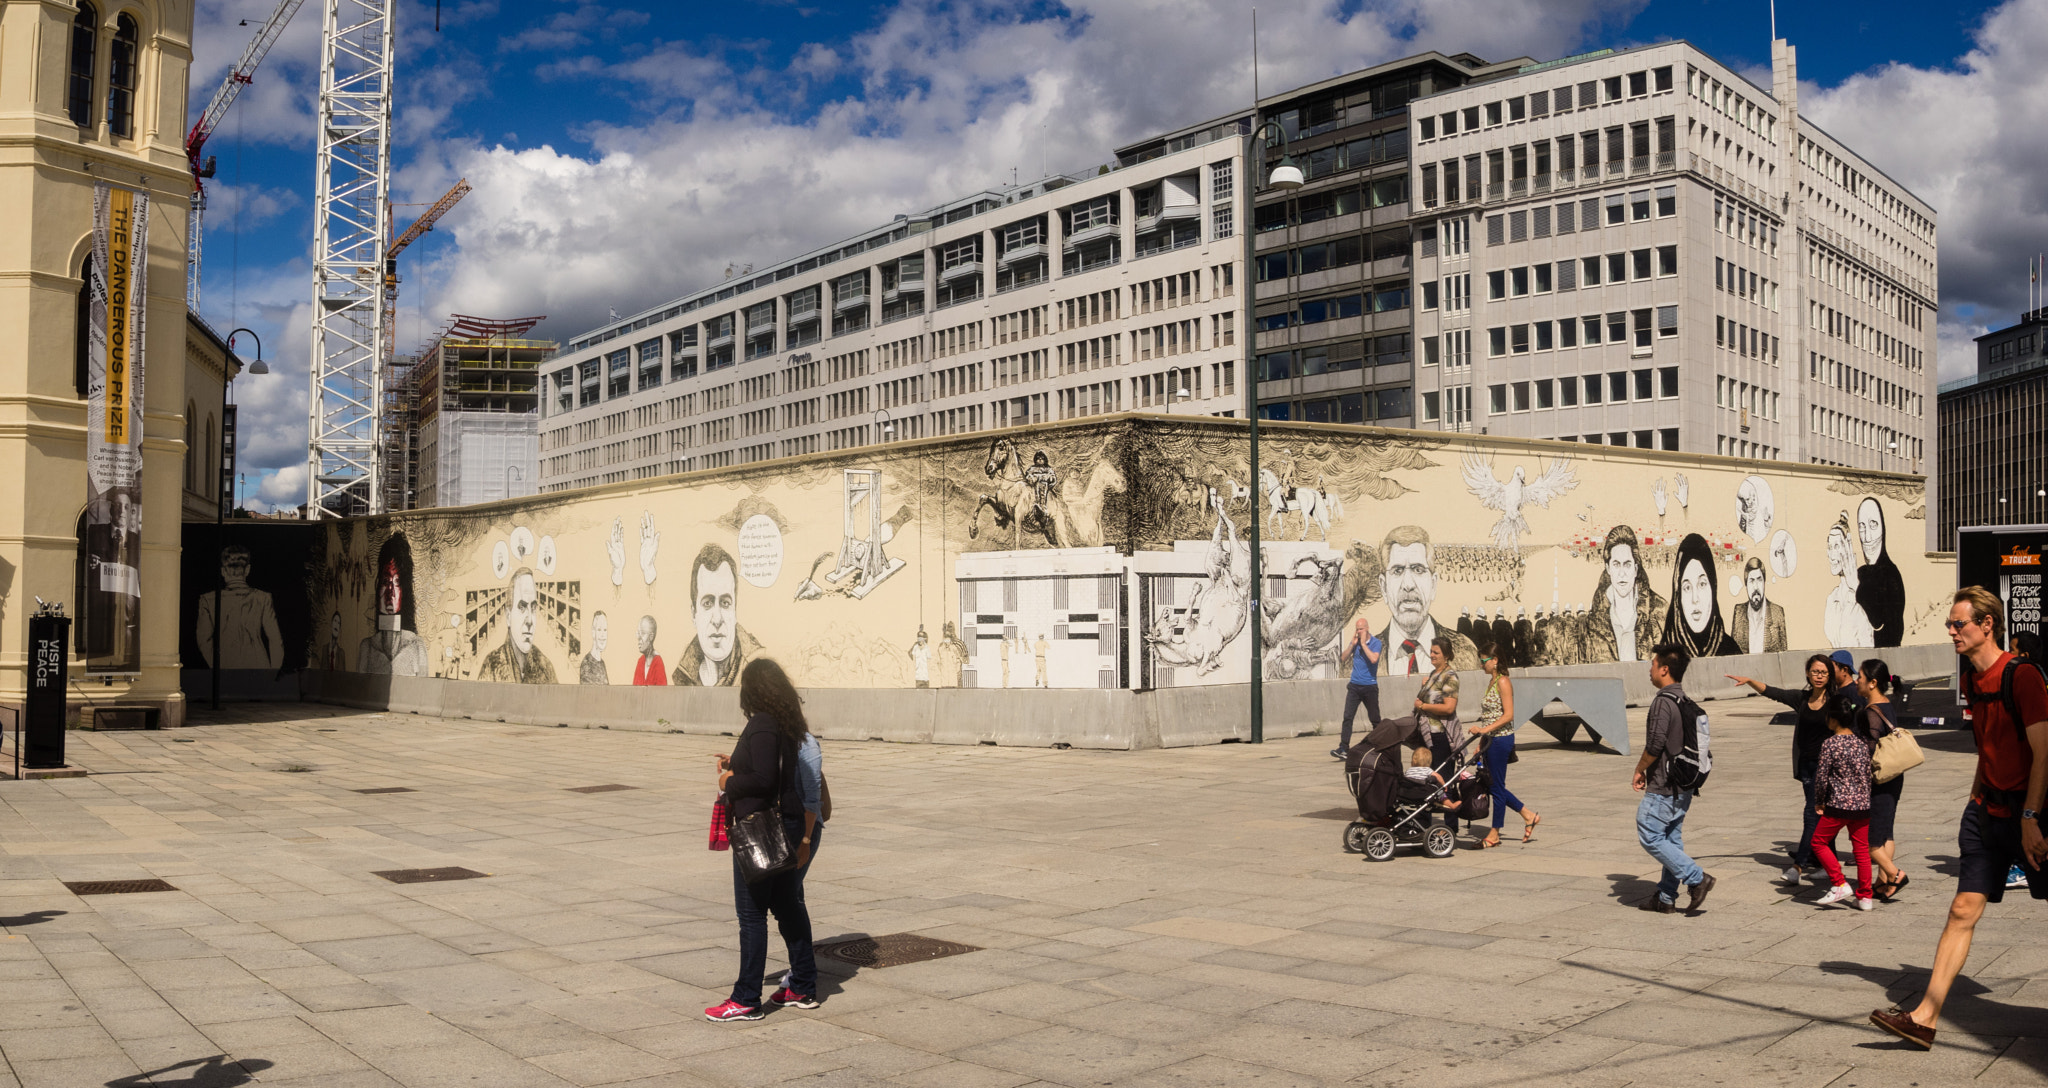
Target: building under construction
461 419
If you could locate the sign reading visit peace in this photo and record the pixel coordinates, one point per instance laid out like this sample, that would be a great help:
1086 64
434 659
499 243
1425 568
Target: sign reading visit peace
112 608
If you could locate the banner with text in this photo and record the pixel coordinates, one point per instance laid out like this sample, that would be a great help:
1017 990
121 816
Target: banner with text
112 609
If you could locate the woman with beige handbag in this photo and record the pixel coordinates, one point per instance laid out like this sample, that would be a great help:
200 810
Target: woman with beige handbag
1897 752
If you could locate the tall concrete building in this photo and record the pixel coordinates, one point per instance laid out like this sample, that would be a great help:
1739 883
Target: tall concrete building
1994 458
1635 248
1644 249
462 417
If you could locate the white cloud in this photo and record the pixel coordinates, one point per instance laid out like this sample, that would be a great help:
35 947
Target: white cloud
285 487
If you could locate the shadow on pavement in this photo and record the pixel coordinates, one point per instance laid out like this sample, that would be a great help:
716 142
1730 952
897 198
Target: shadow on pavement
1630 888
1968 1010
31 918
215 1072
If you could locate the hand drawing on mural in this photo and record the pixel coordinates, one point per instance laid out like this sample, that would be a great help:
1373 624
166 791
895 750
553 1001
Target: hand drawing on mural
615 550
1681 489
1624 621
722 646
1408 583
395 647
1508 497
1657 496
1216 611
1758 623
1843 619
1879 588
1036 499
650 543
1694 620
592 670
518 660
1302 631
248 619
1755 509
648 670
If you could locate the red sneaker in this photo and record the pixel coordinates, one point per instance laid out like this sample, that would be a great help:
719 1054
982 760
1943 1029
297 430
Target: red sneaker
733 1010
790 999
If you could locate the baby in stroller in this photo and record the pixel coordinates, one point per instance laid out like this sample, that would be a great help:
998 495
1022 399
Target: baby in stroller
1404 806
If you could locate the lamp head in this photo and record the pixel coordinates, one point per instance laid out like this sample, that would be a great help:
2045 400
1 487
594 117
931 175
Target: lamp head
1286 175
259 367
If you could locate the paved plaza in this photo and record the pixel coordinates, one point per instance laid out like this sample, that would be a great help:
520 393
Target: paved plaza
1162 918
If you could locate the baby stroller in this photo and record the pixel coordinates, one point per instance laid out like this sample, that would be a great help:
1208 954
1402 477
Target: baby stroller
1395 810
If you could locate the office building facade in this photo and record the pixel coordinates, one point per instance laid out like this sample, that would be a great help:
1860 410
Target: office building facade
1993 458
1643 249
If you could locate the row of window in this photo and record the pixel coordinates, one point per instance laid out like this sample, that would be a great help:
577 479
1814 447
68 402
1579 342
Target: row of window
1378 299
1730 103
1742 396
1391 349
1375 405
1731 278
1745 226
1617 209
1635 327
1584 95
1617 387
1747 341
123 66
1862 383
1330 203
1333 253
1523 169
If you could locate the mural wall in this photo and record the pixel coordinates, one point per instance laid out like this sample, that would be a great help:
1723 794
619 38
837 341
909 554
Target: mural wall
263 576
1115 553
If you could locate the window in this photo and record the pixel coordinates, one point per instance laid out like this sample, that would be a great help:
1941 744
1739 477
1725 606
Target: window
1542 278
1615 209
1567 388
1497 399
1617 328
1667 321
1667 201
1617 390
1518 226
1520 393
1517 109
1590 266
1497 284
1567 275
1544 341
1497 341
1639 204
1568 333
1592 383
1428 126
1429 294
1496 230
618 373
1638 84
1640 259
1667 260
1667 439
1662 77
1100 212
1617 267
1273 266
1493 113
1518 281
1641 319
84 55
1272 216
1667 381
1390 296
1643 383
121 77
1610 89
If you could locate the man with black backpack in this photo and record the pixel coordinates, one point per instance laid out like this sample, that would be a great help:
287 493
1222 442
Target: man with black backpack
1674 766
2001 824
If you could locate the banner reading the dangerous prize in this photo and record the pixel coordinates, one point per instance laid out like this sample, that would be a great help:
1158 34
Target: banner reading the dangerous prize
112 608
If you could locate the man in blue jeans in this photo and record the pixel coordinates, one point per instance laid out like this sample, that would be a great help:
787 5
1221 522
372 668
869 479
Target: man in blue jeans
1660 819
1364 651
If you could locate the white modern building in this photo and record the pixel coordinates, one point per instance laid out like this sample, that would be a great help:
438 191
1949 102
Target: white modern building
1644 249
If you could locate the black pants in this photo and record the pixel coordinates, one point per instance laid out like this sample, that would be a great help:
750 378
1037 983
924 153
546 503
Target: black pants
1354 694
1802 851
1440 754
782 894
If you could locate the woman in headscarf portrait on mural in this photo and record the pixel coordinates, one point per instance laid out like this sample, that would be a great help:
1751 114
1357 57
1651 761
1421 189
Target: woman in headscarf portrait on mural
1623 624
1694 621
1879 588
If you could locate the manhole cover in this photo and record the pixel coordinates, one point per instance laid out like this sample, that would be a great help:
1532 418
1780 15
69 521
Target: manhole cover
387 789
428 876
893 950
116 887
1332 814
608 788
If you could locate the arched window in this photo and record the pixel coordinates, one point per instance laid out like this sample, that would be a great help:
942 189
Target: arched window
121 77
192 454
81 335
210 486
85 48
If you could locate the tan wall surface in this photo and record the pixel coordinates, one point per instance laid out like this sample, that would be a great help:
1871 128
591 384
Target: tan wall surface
1122 561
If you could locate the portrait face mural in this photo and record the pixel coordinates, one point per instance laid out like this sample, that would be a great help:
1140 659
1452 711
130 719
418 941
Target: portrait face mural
1621 569
525 611
390 594
1409 585
645 637
714 605
600 630
1870 529
1696 595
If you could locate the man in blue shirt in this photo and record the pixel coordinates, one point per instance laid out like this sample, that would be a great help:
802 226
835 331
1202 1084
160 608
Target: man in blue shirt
1364 652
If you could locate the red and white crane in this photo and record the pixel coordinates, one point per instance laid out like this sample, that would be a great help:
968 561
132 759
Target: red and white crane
242 74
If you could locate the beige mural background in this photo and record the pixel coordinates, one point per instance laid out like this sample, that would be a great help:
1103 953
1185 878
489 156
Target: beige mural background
1120 559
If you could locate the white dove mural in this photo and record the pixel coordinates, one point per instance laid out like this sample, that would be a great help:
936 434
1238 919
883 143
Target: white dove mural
1508 497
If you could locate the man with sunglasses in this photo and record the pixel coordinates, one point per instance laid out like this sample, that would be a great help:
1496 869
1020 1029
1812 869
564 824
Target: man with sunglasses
2009 722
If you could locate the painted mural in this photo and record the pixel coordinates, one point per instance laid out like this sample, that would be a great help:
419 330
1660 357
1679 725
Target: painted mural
254 575
1116 552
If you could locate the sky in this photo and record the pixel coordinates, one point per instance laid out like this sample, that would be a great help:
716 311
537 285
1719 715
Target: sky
624 154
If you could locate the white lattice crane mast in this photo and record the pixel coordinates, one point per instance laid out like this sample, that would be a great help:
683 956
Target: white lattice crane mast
350 228
241 75
412 234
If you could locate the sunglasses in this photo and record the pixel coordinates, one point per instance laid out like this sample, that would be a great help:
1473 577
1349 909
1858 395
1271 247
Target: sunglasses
1957 625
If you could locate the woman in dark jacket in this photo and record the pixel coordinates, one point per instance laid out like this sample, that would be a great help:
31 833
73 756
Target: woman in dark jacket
1875 683
761 774
1809 730
1879 588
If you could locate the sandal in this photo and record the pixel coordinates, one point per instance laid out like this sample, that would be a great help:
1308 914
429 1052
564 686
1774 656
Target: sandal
1894 889
1529 827
1489 842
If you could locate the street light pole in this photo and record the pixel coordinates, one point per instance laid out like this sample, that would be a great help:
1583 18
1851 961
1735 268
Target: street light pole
224 486
1285 176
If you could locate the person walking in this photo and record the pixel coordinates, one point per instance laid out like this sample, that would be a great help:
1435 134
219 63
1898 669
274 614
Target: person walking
1660 818
1363 651
1437 705
1875 683
1497 726
2001 823
1809 730
763 773
1841 798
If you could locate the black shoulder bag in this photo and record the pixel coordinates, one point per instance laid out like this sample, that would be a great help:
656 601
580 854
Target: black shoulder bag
760 844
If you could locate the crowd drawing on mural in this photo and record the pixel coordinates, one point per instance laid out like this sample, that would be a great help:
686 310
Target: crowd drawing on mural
1438 541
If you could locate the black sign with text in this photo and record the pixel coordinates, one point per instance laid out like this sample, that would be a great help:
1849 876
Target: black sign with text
2011 561
43 741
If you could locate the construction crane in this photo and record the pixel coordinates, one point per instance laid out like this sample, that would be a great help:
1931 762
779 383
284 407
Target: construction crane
412 234
241 75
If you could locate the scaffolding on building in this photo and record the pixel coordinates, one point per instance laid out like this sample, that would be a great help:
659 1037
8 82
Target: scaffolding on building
473 369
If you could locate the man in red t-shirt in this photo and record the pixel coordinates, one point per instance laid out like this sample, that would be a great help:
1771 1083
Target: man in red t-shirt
2001 824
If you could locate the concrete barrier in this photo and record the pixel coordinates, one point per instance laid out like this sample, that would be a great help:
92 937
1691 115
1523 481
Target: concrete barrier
1113 719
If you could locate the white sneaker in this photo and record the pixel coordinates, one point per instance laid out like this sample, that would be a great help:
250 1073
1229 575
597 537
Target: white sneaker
1837 894
1793 876
1865 903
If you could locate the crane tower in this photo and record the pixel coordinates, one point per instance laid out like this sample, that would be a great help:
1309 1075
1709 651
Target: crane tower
350 236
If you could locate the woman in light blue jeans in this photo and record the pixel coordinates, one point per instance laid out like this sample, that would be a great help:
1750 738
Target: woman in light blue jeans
1497 725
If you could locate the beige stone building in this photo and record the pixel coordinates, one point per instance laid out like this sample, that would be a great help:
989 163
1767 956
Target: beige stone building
89 91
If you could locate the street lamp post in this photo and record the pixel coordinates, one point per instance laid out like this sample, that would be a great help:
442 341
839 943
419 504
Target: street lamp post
224 486
1285 176
883 428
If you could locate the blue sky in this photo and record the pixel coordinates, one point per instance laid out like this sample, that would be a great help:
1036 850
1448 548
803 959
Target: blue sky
624 153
